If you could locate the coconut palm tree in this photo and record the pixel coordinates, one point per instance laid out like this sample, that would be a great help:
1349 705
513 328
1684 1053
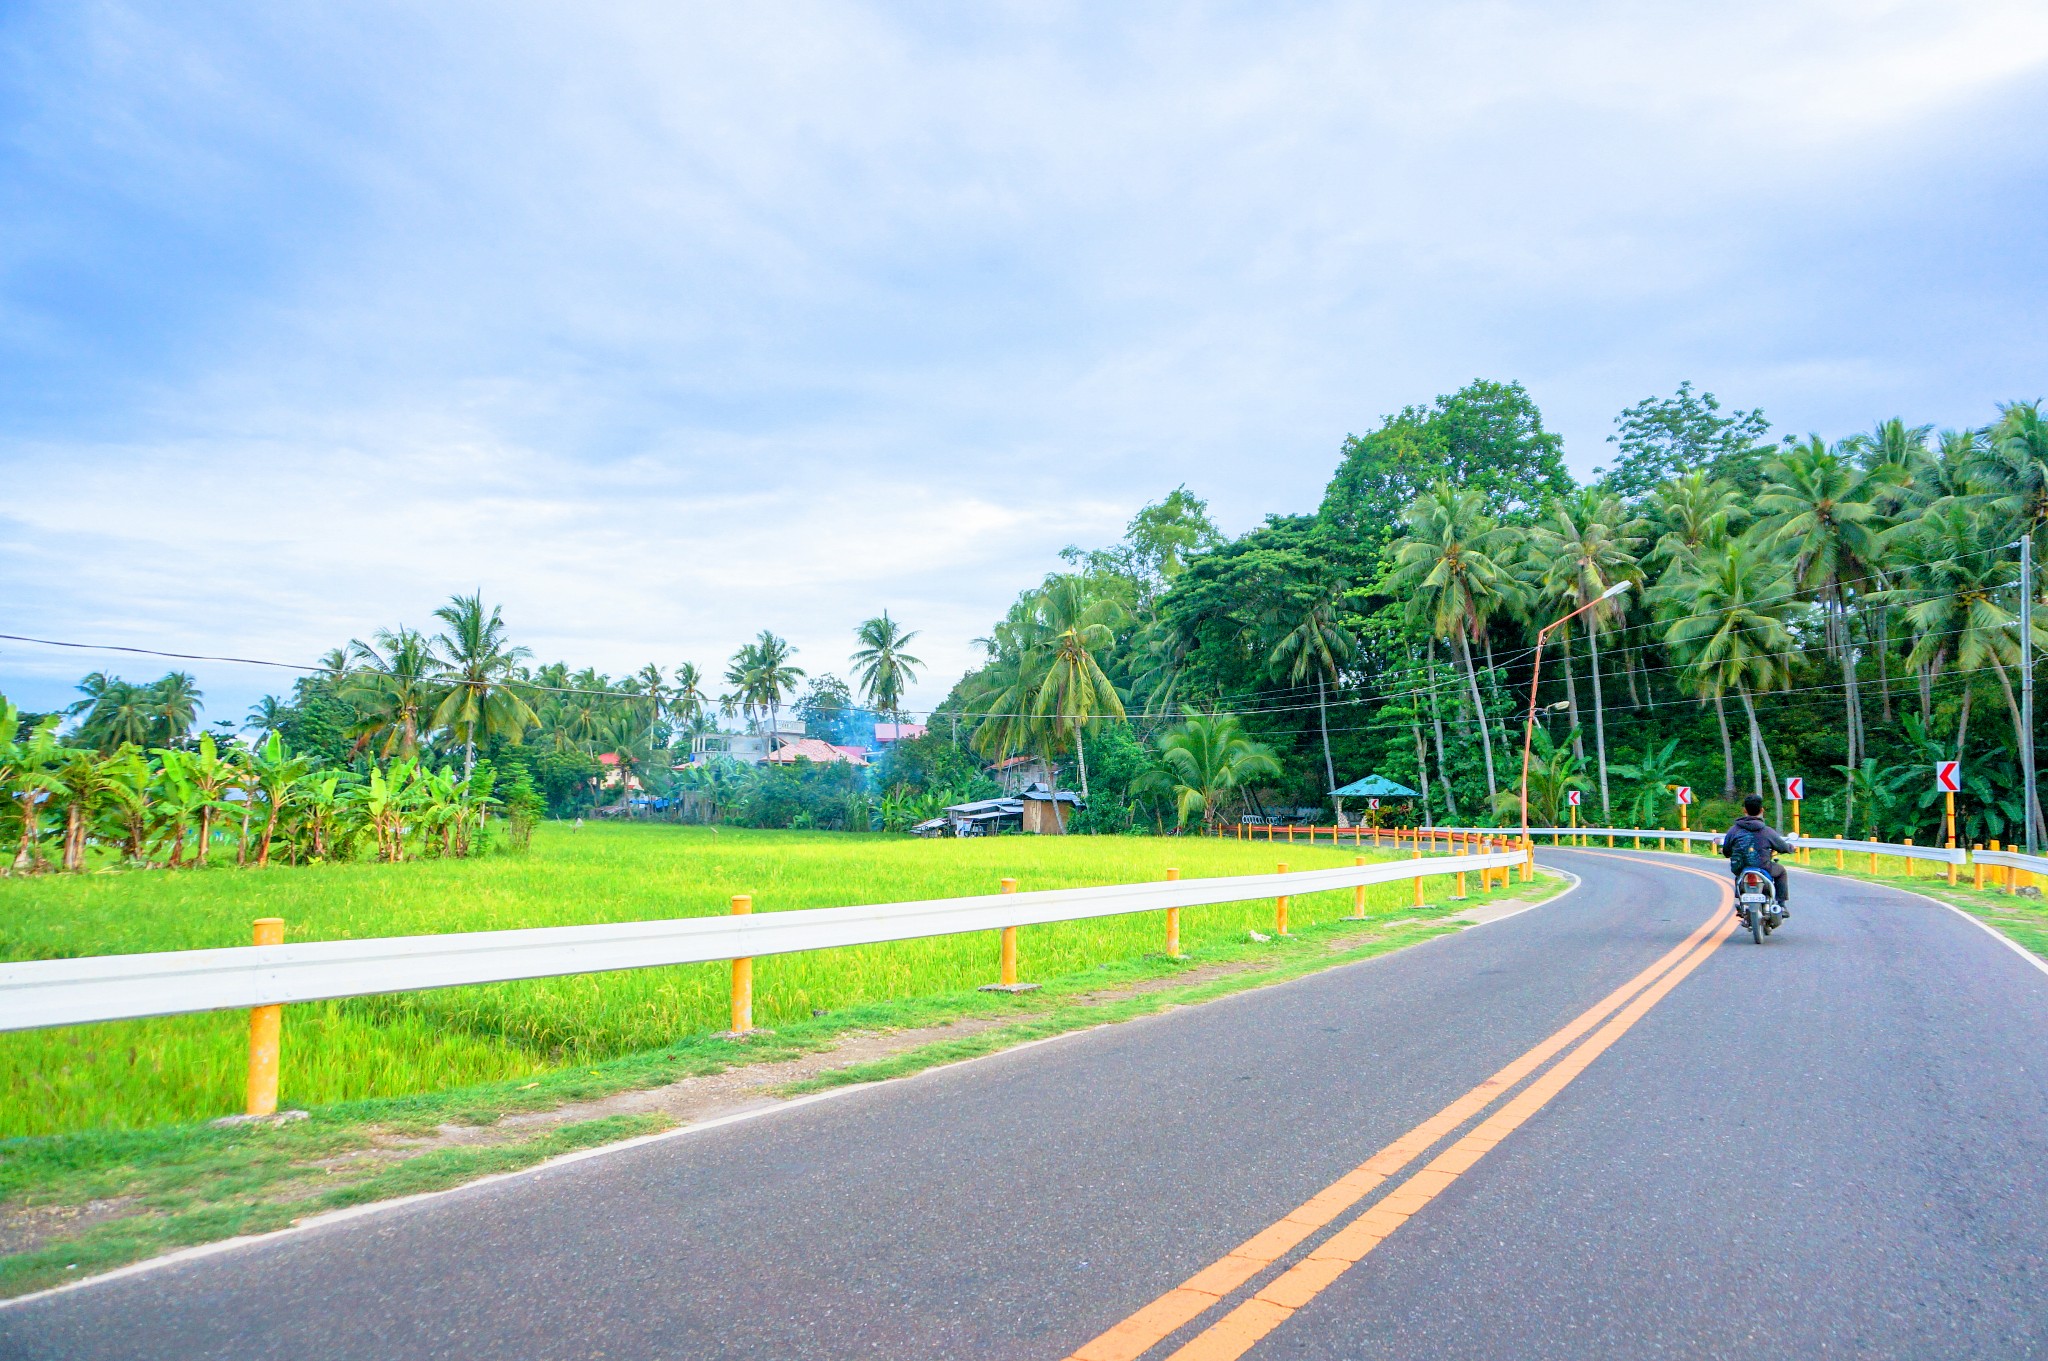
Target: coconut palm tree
1731 631
2014 468
768 678
1074 692
174 702
1586 546
881 666
1691 515
1820 510
686 699
1316 643
267 716
1453 564
477 665
395 690
1956 577
1204 759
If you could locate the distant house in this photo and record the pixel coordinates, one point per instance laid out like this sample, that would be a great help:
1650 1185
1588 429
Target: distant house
750 747
885 733
612 772
1018 773
1032 811
815 750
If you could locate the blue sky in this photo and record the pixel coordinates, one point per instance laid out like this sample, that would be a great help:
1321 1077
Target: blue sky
666 324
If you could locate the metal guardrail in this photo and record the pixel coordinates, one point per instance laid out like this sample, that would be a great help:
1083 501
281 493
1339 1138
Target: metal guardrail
1897 850
57 992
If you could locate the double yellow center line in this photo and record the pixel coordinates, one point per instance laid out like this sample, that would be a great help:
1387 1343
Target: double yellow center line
1237 1331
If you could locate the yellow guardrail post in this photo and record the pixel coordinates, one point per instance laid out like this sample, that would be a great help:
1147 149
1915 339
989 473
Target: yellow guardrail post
1009 965
1528 858
1873 855
266 1032
742 976
1358 895
1977 864
1280 909
1907 858
1008 968
1418 878
1172 923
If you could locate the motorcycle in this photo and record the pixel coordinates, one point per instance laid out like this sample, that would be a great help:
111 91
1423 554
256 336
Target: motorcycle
1756 899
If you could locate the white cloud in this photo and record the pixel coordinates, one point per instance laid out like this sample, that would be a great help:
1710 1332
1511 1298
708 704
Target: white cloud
668 325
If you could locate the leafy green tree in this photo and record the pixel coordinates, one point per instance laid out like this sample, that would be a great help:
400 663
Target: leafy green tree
1662 438
1486 437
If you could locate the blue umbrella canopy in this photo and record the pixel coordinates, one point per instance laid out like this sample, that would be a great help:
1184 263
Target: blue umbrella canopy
1374 787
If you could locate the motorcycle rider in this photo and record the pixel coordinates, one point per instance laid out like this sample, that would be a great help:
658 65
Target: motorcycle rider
1767 844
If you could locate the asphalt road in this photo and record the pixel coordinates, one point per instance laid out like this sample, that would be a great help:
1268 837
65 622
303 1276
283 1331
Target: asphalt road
1833 1145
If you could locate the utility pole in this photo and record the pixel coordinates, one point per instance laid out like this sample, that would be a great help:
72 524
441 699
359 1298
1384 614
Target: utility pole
2033 813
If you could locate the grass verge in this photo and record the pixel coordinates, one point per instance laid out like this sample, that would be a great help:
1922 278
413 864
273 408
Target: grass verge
76 1204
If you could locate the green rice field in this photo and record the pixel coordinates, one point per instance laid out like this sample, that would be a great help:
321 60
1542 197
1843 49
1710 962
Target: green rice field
137 1074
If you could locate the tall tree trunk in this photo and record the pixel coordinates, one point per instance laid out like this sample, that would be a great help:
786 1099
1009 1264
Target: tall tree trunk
469 755
1479 711
205 836
1443 768
1756 760
1727 748
1628 670
1963 718
1571 690
1851 702
1323 713
2012 707
242 843
1421 764
1760 758
1599 725
1884 660
1081 758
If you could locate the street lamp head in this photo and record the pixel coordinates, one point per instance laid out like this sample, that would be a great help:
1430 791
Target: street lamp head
1561 704
1616 589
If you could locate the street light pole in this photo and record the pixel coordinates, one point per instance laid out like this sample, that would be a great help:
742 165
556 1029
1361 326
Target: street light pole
1535 674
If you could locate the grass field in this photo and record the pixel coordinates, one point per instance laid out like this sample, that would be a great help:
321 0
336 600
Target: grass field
133 1075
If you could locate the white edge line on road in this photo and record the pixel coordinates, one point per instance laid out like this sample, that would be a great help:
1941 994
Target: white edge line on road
1986 927
777 1107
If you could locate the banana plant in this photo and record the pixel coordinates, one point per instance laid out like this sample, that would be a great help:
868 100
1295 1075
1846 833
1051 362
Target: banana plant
276 775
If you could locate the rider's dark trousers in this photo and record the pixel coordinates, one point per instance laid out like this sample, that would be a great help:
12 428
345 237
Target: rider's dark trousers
1778 878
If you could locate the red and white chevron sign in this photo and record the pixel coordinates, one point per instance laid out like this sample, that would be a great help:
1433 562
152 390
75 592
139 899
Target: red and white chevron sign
1948 776
1795 788
1685 793
1573 796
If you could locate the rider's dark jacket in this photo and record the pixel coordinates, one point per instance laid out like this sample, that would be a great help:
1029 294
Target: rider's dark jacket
1768 841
